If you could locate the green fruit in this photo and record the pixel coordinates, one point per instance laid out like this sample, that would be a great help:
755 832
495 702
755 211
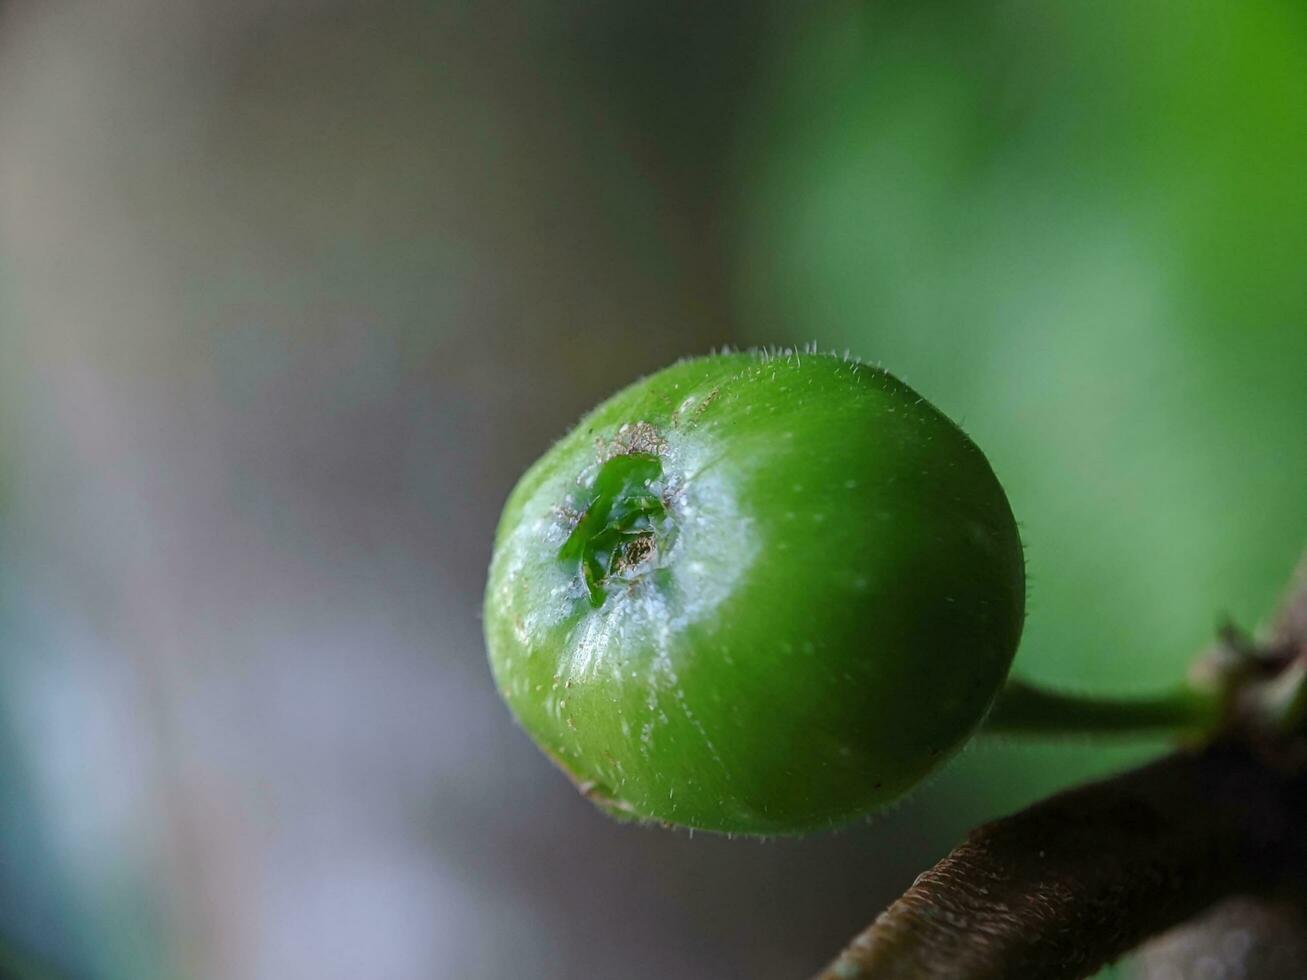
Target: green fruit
755 593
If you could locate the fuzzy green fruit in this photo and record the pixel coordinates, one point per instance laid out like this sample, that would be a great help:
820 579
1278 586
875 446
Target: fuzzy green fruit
755 593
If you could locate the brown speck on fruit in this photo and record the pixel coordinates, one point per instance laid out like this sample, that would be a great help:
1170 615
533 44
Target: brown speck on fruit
634 437
634 552
703 405
591 789
566 515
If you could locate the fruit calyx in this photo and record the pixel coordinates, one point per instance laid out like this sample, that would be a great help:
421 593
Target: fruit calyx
622 519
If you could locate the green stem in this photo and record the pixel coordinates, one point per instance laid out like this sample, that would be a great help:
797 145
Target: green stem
1024 709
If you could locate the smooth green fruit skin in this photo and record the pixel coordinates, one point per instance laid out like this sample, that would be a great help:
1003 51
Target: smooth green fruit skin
834 594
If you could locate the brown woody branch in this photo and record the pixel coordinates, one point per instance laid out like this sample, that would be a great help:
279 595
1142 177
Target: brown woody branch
1056 891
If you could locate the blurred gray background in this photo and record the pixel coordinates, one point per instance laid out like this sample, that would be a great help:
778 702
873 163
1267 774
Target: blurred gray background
292 290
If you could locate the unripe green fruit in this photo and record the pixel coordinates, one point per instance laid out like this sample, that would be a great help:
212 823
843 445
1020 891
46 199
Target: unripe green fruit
755 593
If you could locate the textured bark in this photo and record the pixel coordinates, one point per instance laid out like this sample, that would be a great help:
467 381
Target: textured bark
1071 883
1056 891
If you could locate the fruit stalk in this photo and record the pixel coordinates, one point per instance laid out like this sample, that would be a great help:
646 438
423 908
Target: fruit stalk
1028 710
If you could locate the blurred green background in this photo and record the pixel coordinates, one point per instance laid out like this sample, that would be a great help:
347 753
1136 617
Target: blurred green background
292 290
